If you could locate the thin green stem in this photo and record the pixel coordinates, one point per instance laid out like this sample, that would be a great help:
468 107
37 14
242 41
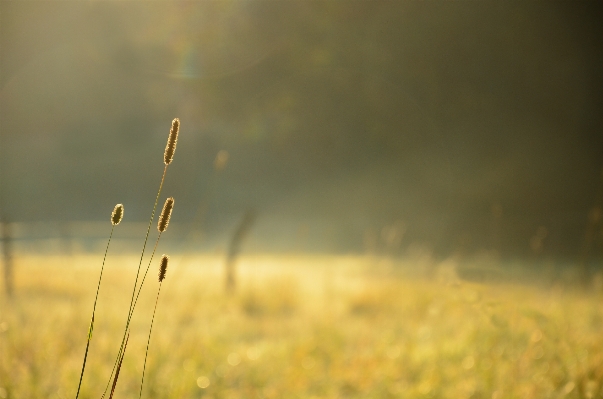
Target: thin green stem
135 302
93 311
136 280
149 341
145 275
121 359
132 307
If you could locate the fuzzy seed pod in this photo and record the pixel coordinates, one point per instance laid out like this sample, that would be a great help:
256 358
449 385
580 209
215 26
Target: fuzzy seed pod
170 148
163 267
117 215
166 213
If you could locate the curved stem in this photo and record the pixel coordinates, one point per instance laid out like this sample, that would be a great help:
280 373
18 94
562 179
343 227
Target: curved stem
93 311
136 281
145 275
149 341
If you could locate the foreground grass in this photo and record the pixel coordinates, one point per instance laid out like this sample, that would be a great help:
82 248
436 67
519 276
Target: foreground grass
299 327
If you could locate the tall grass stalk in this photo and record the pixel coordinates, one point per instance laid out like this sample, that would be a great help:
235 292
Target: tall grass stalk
131 308
167 160
164 220
116 217
162 269
121 359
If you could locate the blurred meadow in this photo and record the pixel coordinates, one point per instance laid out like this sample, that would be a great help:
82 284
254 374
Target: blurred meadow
304 327
384 199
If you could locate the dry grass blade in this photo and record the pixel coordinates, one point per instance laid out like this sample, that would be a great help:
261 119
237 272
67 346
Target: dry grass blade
121 359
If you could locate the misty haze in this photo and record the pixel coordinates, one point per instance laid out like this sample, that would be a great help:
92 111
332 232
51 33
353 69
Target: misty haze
382 199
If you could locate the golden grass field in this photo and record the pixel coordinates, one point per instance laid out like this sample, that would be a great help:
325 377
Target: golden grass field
298 327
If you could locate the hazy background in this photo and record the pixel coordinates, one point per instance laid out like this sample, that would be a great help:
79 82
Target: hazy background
349 126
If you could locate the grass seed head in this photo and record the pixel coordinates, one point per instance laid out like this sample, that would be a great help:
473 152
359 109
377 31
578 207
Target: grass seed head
117 215
166 213
163 267
170 148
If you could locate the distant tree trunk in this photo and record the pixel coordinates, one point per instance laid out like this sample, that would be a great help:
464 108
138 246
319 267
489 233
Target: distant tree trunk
235 246
8 260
